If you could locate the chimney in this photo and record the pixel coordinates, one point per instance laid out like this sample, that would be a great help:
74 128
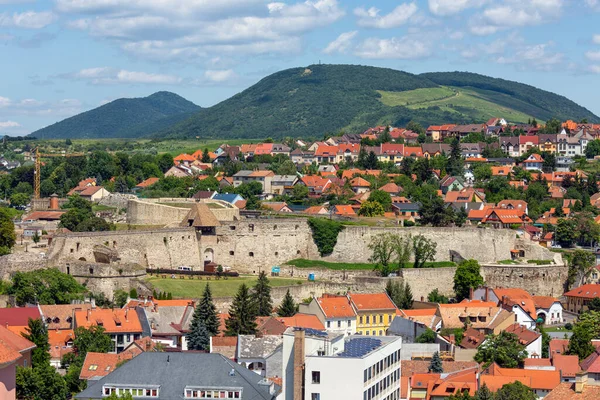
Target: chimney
299 364
89 314
471 293
580 381
126 313
54 202
487 293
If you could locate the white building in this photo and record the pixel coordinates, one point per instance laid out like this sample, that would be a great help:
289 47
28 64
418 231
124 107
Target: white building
335 312
331 366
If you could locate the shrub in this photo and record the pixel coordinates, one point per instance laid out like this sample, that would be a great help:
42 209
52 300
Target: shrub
325 233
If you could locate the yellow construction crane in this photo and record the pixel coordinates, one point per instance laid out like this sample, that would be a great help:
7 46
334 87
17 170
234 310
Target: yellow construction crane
38 167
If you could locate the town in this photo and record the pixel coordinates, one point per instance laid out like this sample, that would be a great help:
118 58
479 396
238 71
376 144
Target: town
447 262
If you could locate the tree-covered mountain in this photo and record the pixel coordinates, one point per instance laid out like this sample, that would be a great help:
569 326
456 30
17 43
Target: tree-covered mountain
123 118
324 99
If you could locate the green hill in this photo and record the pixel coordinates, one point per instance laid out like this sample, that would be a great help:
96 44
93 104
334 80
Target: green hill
324 99
123 118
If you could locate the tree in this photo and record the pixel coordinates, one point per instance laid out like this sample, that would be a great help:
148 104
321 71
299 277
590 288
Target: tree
565 232
37 333
505 349
455 161
262 295
426 337
208 312
467 277
68 142
484 393
382 246
460 217
585 329
36 238
299 193
402 249
19 199
594 304
42 382
424 250
415 127
593 148
242 314
92 339
45 286
371 161
580 267
545 341
7 232
515 390
120 298
198 337
382 198
423 170
205 156
371 209
407 297
385 136
435 212
435 297
436 364
288 307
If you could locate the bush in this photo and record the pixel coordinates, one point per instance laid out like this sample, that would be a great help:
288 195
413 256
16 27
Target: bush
408 224
569 326
325 233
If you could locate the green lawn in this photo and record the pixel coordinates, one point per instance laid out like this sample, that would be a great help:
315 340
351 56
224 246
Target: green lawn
507 262
556 329
188 288
100 207
483 103
303 263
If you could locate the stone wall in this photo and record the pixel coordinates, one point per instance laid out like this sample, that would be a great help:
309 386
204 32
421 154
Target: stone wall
22 262
249 244
150 212
161 248
104 278
539 280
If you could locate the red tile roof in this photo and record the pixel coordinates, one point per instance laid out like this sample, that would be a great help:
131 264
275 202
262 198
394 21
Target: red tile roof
59 340
44 215
303 321
359 182
566 391
18 316
372 301
544 301
113 321
495 377
97 365
147 182
336 307
589 291
567 365
16 342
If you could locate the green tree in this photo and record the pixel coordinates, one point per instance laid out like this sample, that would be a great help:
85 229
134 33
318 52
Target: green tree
415 127
585 329
407 297
45 286
205 156
435 212
198 337
371 161
593 148
37 333
68 142
371 209
594 304
467 277
565 232
382 198
505 349
242 314
436 297
426 337
460 217
382 246
581 265
208 312
515 390
424 250
164 162
299 193
385 136
261 294
402 249
484 393
42 382
19 199
7 232
545 341
482 172
36 238
288 307
455 166
120 298
435 366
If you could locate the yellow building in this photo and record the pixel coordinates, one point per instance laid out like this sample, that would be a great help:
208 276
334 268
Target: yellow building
375 313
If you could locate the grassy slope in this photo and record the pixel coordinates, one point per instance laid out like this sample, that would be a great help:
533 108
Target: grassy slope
188 288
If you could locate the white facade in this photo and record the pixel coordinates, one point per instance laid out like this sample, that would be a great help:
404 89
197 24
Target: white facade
553 315
329 375
522 317
344 326
534 349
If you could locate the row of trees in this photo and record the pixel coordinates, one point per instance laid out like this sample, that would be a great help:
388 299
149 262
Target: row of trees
393 252
247 305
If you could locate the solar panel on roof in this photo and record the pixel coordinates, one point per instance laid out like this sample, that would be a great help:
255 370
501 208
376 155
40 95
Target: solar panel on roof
315 332
358 347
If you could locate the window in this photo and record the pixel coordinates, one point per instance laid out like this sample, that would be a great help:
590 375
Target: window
380 332
329 324
316 377
361 319
381 318
315 396
128 337
368 319
231 252
93 367
367 333
339 324
251 254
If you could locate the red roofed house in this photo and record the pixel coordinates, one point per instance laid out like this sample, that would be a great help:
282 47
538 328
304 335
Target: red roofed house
578 298
567 365
326 154
528 338
18 343
360 185
441 386
90 193
123 325
344 210
527 142
335 312
184 159
147 183
506 218
8 371
18 317
315 184
300 320
98 365
534 162
61 343
375 312
540 381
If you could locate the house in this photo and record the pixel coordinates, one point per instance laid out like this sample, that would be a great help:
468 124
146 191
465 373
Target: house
472 339
407 211
465 195
391 188
261 354
145 184
168 322
98 365
344 210
340 367
61 344
549 309
486 317
276 206
326 154
576 390
435 149
17 318
506 218
513 205
532 340
534 162
472 150
90 193
279 148
179 171
502 171
540 381
425 316
568 365
32 230
122 325
391 152
440 386
461 131
231 198
409 368
300 320
347 151
8 371
316 185
375 312
316 210
360 185
300 156
526 143
265 178
169 376
578 298
591 366
335 312
413 152
60 316
283 184
438 132
449 183
17 343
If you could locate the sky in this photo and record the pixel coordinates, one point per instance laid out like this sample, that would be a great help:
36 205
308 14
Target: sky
62 57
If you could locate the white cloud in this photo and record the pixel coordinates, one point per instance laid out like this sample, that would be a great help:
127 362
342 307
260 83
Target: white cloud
515 13
593 55
108 75
596 39
27 19
450 7
33 107
405 47
593 4
9 124
4 102
595 69
341 44
536 56
399 16
219 76
202 29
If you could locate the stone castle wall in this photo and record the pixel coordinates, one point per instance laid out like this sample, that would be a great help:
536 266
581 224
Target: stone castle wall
150 212
161 248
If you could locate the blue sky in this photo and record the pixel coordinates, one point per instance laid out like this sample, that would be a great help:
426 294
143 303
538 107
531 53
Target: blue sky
62 57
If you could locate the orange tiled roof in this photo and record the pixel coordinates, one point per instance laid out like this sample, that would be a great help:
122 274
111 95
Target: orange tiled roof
341 209
121 320
16 342
336 307
535 379
97 365
147 182
566 391
589 291
359 182
526 336
303 321
501 171
59 316
544 301
567 365
371 301
59 341
184 157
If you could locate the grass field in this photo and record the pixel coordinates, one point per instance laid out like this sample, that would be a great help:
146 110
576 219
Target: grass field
188 288
453 99
303 263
